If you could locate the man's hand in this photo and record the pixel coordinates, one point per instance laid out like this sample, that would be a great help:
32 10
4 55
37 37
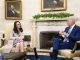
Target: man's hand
63 34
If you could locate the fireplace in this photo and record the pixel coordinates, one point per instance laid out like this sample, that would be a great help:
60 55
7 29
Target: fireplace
46 39
44 31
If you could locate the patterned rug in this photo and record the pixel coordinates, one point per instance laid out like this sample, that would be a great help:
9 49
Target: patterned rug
31 57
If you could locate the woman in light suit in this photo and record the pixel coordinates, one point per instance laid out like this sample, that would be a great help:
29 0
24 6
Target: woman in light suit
17 37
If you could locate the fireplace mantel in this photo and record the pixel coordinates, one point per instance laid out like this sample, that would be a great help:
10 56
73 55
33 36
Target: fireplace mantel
49 19
45 25
50 22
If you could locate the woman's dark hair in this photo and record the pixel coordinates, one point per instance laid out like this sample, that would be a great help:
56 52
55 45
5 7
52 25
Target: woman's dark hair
15 27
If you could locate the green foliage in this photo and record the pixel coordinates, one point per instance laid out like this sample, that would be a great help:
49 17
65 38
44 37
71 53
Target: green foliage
49 15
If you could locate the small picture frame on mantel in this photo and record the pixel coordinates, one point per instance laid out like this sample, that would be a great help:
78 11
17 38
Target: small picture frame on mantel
13 10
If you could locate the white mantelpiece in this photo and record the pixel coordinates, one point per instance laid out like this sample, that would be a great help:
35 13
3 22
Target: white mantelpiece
45 25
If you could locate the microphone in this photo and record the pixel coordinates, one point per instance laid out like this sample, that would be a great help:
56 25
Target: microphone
36 55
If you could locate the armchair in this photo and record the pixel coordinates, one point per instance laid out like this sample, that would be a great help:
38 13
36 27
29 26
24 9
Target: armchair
69 54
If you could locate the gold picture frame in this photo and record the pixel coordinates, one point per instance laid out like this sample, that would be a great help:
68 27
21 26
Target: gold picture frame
13 10
53 5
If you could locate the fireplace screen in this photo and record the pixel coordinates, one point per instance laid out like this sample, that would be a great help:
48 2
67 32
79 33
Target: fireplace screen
46 39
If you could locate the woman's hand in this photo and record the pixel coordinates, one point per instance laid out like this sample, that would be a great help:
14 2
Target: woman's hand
18 38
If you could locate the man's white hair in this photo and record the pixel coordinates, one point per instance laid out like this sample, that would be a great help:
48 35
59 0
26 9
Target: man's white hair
73 18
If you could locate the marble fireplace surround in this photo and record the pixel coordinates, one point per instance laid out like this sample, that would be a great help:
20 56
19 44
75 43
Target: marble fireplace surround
45 25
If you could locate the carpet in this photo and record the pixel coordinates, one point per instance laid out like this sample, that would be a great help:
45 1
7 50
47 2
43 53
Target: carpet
32 57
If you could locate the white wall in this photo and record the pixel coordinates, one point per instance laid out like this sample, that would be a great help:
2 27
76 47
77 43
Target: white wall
32 7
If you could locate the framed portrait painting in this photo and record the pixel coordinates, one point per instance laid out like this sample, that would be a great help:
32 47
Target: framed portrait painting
53 5
13 10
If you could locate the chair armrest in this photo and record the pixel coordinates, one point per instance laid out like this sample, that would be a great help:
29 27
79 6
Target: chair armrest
78 42
75 46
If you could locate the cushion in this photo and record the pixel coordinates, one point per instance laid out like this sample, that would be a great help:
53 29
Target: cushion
66 53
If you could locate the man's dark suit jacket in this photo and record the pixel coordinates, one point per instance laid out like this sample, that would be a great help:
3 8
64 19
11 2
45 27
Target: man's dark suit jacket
73 37
75 33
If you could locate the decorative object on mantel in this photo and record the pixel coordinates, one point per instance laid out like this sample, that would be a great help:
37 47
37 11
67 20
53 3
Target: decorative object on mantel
53 16
53 5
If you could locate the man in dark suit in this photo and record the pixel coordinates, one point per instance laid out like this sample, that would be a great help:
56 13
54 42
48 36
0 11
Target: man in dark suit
69 36
12 12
